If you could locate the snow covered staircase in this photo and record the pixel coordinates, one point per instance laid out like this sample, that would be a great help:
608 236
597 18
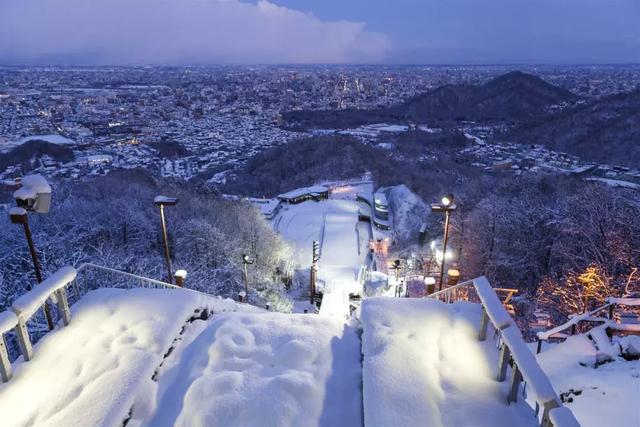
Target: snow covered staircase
429 362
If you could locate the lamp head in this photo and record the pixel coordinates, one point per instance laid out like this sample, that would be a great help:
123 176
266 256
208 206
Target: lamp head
447 200
165 201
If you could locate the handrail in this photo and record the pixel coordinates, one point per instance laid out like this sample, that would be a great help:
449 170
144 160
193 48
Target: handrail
124 273
25 306
514 349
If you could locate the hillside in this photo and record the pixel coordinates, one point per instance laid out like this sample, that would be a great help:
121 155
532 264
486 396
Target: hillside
606 130
30 151
512 97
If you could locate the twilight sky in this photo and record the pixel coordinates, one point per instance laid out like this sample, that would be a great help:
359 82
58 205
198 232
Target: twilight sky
319 31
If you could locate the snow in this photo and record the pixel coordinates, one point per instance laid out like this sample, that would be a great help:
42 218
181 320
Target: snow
315 189
408 212
615 182
29 303
163 199
37 182
631 302
423 365
495 310
16 211
267 369
599 396
8 320
303 223
88 373
563 417
335 302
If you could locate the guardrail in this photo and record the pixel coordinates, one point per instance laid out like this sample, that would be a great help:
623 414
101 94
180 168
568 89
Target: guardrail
514 352
592 317
78 281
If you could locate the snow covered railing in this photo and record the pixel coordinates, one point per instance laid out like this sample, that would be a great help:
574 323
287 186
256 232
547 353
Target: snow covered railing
513 351
87 280
26 306
590 316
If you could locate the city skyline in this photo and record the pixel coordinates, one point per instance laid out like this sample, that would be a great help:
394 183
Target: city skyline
209 32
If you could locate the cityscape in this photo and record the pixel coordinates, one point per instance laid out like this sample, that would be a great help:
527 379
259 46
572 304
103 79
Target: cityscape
273 213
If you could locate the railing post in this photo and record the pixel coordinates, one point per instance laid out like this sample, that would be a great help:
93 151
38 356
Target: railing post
22 333
539 345
484 323
547 407
63 306
505 354
5 363
516 377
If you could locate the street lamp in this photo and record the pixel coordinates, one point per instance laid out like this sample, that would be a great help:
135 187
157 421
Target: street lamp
447 206
246 260
161 202
315 257
34 195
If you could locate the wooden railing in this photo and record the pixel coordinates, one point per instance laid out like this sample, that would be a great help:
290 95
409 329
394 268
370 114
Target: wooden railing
67 285
593 316
514 352
25 307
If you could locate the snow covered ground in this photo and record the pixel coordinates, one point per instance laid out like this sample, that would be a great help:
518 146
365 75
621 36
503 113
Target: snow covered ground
333 223
424 366
606 395
88 373
266 369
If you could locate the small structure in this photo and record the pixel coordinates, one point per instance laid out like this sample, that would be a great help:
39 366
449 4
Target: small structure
315 192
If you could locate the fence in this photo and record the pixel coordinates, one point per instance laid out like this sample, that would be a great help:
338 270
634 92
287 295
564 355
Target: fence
513 352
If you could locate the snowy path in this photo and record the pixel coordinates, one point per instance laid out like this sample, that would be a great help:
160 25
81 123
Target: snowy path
263 370
89 373
423 366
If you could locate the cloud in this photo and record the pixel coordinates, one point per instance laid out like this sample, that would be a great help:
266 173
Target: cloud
178 31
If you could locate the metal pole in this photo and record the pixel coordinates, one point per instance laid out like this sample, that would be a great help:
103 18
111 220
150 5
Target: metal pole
36 266
165 238
245 277
312 283
444 249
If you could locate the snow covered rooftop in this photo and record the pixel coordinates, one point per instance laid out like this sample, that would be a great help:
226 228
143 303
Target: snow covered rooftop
298 192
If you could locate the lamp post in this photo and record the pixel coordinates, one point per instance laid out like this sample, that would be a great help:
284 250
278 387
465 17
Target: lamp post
34 195
447 206
315 257
246 260
161 202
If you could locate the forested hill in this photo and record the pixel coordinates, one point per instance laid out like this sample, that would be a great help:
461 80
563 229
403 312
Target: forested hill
512 97
606 130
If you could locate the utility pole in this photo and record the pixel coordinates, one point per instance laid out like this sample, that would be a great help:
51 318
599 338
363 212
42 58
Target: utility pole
313 272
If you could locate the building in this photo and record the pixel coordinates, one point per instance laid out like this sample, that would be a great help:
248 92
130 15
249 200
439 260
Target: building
315 192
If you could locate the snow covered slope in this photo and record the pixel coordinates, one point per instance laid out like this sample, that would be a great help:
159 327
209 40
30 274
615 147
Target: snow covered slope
88 373
604 396
424 366
263 370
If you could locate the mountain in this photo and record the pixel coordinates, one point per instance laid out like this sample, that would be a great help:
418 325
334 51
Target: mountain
606 130
512 97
